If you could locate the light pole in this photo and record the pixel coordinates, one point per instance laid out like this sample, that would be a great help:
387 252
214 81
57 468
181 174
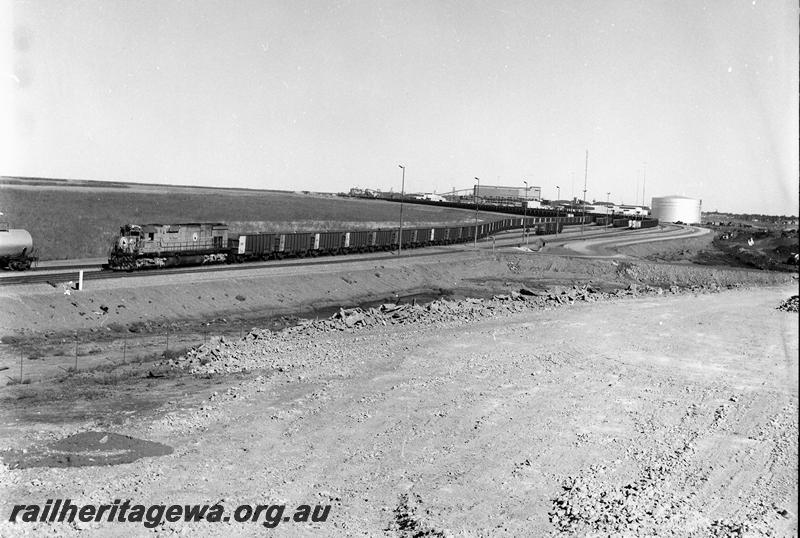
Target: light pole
585 177
477 188
644 182
402 195
525 214
558 207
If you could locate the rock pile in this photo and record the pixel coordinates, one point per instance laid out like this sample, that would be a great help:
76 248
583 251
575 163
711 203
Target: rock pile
585 505
653 504
262 348
727 529
790 304
407 522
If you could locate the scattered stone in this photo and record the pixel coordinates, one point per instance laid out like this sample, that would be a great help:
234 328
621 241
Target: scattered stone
790 304
263 348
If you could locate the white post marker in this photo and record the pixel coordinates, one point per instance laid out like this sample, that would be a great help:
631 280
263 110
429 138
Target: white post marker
80 280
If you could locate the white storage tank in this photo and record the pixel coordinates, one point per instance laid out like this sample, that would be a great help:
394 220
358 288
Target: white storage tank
14 242
675 209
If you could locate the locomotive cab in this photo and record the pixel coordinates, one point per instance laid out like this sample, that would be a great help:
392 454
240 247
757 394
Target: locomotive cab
128 240
125 248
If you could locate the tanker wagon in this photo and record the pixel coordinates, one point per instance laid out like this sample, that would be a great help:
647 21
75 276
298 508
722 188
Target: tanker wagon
16 248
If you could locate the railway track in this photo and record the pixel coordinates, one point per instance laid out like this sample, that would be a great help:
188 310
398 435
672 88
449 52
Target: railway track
59 276
56 279
595 245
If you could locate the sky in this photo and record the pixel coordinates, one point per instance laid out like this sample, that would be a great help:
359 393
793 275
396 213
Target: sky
689 97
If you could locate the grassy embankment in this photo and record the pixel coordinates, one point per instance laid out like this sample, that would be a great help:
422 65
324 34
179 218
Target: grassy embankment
69 221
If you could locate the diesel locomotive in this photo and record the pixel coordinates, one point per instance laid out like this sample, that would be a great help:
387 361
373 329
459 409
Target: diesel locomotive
168 245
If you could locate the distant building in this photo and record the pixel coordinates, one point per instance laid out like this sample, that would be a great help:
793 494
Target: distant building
633 210
506 195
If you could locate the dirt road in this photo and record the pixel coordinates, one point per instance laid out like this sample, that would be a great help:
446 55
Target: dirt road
651 416
599 245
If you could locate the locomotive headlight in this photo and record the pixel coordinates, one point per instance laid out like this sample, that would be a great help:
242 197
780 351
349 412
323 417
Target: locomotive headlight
123 243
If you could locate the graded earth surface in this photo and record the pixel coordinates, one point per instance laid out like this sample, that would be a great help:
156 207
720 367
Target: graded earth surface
611 398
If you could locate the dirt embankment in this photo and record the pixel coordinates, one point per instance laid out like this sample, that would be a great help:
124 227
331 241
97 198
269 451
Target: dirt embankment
113 306
773 250
542 395
685 249
126 324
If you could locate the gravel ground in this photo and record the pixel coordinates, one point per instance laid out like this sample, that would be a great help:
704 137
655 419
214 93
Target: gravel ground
647 411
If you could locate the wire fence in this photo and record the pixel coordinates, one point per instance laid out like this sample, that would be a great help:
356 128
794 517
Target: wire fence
127 350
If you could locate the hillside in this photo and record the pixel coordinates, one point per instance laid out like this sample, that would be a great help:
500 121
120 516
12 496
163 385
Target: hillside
72 219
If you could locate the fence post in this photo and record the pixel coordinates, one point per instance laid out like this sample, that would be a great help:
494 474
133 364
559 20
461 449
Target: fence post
76 351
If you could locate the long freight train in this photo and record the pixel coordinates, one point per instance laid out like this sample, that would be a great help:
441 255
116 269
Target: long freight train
171 245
